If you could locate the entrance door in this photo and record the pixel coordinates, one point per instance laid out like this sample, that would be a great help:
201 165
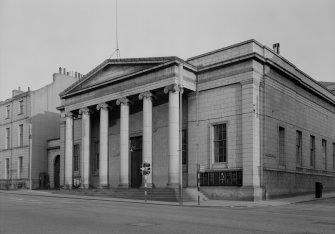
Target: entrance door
135 161
57 172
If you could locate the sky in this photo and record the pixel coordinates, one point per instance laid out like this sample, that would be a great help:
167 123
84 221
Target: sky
38 36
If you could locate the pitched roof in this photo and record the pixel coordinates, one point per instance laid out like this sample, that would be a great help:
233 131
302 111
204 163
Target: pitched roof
135 65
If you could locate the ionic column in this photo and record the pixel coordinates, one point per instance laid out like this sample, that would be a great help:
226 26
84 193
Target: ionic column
147 131
103 145
85 147
68 150
173 138
124 141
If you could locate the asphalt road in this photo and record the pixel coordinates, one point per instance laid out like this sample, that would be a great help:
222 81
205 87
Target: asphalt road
37 214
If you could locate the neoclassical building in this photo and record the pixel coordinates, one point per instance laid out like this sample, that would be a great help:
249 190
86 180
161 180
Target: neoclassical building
251 122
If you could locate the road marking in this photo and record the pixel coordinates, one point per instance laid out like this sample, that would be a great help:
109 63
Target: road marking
143 224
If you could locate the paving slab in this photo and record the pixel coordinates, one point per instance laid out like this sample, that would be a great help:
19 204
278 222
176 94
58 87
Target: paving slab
208 203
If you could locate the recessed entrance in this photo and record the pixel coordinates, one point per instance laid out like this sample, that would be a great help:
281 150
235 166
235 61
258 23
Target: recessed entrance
135 161
57 172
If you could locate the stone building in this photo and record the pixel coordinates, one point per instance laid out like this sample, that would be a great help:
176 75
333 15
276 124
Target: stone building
250 121
27 120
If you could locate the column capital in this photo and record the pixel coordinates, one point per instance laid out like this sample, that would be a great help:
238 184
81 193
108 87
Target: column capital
103 106
67 114
85 110
146 94
173 88
123 100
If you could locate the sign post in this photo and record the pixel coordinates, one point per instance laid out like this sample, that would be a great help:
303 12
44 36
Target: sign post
145 188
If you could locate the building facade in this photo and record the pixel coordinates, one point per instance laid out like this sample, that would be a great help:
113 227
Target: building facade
27 120
243 116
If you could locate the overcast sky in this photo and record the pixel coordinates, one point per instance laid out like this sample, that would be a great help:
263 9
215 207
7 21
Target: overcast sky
38 36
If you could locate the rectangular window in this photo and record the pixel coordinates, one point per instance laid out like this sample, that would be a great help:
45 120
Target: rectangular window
220 143
281 145
334 156
19 167
184 147
312 151
7 168
324 152
7 138
96 157
76 158
299 148
20 107
8 112
20 135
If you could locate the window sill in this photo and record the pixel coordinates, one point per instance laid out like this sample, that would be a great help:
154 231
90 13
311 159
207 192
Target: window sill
219 165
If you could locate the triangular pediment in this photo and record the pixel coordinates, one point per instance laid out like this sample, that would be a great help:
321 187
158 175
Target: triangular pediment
113 70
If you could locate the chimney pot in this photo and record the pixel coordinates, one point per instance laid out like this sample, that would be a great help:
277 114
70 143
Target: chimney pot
64 70
60 70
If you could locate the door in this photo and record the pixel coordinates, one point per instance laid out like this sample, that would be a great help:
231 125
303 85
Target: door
57 172
135 161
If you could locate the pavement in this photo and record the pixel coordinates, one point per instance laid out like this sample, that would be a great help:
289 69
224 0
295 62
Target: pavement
208 203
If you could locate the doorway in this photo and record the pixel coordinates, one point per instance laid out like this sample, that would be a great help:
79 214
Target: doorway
135 161
57 172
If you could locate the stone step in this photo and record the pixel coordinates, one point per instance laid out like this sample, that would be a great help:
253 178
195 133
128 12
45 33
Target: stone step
155 194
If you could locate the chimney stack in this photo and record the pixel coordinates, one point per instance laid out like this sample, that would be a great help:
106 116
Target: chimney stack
276 48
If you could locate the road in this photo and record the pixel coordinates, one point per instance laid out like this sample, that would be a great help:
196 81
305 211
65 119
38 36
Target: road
38 214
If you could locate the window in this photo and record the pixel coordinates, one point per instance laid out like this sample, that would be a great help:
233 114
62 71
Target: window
334 156
7 168
76 155
324 152
184 147
312 151
19 167
96 158
7 138
20 107
220 143
281 146
8 112
20 143
299 148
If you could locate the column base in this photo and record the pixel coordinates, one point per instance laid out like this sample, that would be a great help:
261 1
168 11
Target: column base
149 185
252 193
68 186
103 186
85 186
173 185
124 185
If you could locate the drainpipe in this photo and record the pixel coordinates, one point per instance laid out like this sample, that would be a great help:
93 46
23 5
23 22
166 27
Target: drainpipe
262 118
30 156
180 66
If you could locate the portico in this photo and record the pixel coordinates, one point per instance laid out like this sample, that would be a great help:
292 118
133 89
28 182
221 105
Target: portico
111 124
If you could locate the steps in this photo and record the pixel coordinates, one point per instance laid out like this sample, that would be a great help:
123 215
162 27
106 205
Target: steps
155 194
